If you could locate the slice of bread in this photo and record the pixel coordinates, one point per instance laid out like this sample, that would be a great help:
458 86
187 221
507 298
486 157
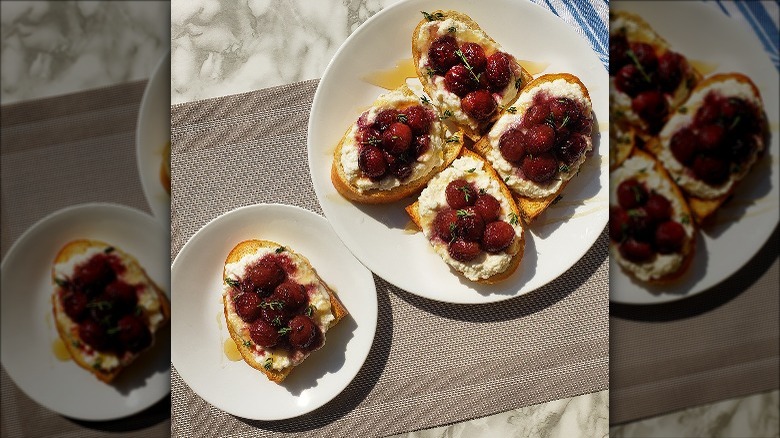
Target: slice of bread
533 198
348 179
637 30
646 169
300 270
480 172
705 199
153 307
463 29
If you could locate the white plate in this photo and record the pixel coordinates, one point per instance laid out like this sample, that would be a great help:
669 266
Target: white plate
153 131
377 234
199 328
744 224
28 330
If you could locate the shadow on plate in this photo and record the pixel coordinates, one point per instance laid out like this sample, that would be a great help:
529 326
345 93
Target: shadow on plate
151 362
361 385
151 416
708 300
329 359
523 305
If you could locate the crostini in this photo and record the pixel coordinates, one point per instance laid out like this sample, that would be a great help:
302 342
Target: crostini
392 150
647 79
106 308
277 308
466 73
469 217
712 141
652 233
540 143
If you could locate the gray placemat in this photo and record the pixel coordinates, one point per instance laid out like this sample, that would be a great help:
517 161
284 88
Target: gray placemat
719 344
58 152
431 363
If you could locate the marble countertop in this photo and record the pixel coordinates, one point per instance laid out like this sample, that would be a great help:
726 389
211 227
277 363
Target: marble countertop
221 47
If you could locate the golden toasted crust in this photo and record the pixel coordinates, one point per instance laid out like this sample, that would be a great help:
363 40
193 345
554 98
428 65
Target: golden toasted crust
249 247
417 52
622 141
65 253
375 196
518 244
531 208
689 249
704 208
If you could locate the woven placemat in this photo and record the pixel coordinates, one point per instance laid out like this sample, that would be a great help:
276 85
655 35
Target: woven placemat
431 363
719 344
58 152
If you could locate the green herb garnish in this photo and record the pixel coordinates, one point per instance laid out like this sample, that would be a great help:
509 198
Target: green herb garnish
432 17
513 218
280 249
284 330
231 282
268 363
109 250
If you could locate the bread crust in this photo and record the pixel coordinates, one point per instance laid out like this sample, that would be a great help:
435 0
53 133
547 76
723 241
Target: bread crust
531 208
689 249
249 247
71 338
704 208
518 244
376 196
417 52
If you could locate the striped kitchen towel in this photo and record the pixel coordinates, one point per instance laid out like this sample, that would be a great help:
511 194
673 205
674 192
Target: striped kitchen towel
589 18
761 17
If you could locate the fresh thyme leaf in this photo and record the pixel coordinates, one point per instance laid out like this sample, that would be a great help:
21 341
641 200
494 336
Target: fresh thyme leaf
463 213
374 141
284 330
402 118
98 363
557 198
445 115
550 120
563 168
564 122
309 311
451 29
462 57
636 62
247 344
109 250
638 194
686 219
518 83
482 191
471 170
506 178
277 321
100 305
60 282
268 363
424 100
635 212
511 110
75 344
683 110
138 311
273 305
231 282
430 72
453 139
735 122
466 191
113 330
280 249
513 218
432 17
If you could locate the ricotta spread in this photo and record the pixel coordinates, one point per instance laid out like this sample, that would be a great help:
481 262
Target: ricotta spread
433 199
642 168
304 275
432 158
684 176
512 175
440 96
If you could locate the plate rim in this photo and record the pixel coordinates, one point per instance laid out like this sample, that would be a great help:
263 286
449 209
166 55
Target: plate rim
18 244
315 218
477 300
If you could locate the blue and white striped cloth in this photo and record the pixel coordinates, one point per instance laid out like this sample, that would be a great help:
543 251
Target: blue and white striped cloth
590 18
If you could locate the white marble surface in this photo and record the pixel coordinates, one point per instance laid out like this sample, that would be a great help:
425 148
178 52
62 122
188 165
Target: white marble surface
582 416
755 416
53 47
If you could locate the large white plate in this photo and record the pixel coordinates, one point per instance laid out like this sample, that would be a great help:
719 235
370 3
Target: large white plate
199 328
743 225
377 235
153 131
28 330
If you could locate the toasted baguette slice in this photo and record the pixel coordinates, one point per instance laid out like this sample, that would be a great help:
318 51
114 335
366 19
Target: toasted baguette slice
662 268
326 312
622 141
476 170
463 29
637 30
705 198
153 307
350 181
533 198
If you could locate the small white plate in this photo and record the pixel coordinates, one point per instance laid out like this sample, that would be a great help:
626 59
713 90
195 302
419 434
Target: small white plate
28 330
378 235
199 329
743 225
153 132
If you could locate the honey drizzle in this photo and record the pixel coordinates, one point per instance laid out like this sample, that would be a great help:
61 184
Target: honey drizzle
392 78
231 350
59 350
533 67
702 67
